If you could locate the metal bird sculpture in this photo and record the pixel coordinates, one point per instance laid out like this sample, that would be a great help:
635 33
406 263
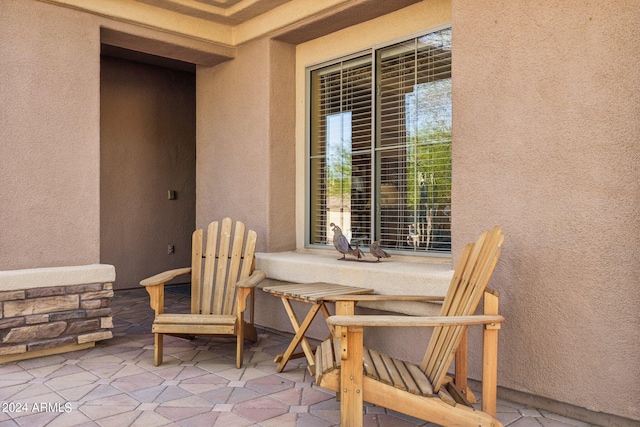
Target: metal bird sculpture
377 251
357 252
340 241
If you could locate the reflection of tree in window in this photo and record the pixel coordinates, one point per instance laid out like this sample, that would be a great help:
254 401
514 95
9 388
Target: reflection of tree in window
415 141
338 152
429 162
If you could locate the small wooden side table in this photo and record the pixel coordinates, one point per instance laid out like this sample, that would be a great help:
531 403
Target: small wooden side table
310 293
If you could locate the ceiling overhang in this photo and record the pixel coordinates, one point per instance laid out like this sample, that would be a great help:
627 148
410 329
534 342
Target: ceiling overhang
207 32
235 22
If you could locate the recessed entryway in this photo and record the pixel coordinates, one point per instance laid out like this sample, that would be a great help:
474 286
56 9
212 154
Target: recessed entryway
147 164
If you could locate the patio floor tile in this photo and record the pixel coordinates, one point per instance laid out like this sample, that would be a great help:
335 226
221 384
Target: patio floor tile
198 388
284 420
120 420
189 402
180 413
98 412
261 408
146 395
76 393
151 419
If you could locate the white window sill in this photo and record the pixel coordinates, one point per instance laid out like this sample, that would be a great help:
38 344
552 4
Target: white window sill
392 276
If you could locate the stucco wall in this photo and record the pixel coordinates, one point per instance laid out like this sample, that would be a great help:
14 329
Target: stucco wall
232 123
545 131
245 138
282 184
49 134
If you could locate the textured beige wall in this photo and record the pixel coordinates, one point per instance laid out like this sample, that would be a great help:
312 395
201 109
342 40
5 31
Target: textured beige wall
282 168
148 147
245 134
545 126
232 124
49 136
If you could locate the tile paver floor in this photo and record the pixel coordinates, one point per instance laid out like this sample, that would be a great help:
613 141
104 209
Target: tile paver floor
116 384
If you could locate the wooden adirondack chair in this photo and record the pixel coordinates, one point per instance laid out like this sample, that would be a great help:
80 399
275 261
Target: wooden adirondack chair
220 287
423 391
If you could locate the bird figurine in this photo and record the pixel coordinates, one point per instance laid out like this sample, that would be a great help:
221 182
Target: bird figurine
377 251
340 241
357 252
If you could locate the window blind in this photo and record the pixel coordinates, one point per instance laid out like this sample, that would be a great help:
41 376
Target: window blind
341 116
413 149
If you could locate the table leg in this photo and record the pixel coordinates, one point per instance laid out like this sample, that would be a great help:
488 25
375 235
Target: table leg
299 338
326 314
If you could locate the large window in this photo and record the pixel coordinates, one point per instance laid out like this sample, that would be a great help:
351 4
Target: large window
380 146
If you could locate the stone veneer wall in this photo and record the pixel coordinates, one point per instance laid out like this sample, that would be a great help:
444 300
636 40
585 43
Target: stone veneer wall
45 320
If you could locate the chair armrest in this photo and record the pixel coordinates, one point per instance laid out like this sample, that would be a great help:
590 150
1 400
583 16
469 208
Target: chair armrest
373 298
165 276
155 287
246 287
253 280
366 320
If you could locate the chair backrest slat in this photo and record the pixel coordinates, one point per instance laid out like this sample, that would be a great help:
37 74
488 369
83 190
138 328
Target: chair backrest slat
248 263
460 279
209 268
196 271
472 273
221 266
249 254
234 268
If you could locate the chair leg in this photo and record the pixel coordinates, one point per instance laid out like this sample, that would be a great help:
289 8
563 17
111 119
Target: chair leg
157 349
490 358
351 378
461 368
240 339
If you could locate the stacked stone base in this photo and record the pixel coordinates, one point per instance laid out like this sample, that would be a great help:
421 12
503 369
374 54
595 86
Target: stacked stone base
50 320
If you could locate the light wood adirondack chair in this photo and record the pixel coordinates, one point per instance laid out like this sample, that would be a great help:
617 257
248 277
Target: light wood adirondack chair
423 391
220 287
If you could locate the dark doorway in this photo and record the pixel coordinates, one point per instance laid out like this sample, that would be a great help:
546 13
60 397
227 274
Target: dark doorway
147 164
